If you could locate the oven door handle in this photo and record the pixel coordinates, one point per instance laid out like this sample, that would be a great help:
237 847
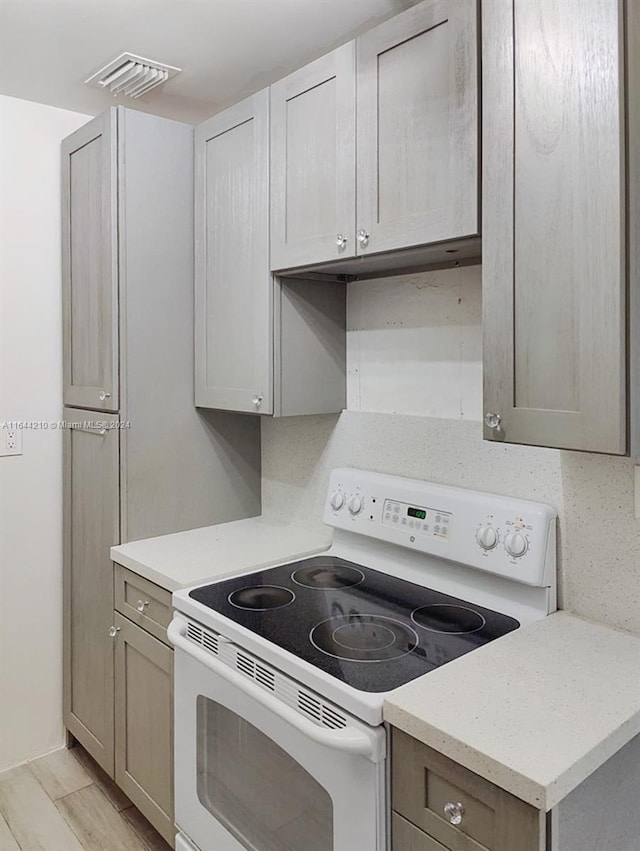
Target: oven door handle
348 739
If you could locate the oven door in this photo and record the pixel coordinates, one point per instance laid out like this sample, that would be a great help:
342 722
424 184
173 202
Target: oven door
252 773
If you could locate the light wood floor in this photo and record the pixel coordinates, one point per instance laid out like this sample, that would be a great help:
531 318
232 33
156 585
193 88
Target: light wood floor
65 802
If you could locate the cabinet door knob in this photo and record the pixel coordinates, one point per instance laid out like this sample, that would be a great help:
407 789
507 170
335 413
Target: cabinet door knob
454 812
257 400
103 395
113 631
492 420
141 605
363 236
341 240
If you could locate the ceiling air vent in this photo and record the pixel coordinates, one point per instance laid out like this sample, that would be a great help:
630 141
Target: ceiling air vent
132 75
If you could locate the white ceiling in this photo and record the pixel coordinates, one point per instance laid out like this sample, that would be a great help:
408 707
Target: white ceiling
227 49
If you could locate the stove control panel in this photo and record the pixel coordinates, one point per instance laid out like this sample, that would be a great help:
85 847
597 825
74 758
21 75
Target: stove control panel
420 519
508 537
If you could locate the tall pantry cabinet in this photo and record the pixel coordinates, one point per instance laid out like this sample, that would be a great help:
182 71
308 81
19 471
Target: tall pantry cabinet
139 459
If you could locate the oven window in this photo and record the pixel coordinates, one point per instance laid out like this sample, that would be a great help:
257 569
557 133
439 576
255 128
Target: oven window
255 789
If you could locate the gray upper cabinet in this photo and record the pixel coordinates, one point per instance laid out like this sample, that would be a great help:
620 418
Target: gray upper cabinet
233 337
417 128
313 162
263 345
89 268
91 527
554 267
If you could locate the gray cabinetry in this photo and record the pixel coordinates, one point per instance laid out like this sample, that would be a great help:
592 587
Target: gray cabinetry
233 283
454 809
438 805
263 345
169 466
375 146
554 253
417 135
313 162
144 723
91 525
89 265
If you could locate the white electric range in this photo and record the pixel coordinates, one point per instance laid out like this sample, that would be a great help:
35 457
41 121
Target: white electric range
281 673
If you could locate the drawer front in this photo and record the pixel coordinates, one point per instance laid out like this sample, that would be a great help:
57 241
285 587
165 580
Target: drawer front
406 837
456 807
144 603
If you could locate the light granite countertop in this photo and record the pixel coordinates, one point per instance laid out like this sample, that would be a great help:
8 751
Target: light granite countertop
535 712
188 558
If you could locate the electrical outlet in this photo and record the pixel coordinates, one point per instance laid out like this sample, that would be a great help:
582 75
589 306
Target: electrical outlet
10 441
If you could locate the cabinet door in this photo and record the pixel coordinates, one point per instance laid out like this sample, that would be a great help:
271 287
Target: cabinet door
406 837
234 334
144 723
91 527
89 265
313 162
417 138
553 247
455 807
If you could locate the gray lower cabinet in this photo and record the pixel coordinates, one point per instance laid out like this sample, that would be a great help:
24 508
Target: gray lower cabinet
89 265
554 221
91 525
437 805
418 128
441 806
264 345
144 723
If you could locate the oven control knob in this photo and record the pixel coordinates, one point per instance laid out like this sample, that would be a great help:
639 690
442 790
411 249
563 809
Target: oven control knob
337 500
355 505
487 537
515 544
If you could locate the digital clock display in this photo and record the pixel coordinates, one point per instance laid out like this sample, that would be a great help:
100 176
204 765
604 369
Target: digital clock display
419 513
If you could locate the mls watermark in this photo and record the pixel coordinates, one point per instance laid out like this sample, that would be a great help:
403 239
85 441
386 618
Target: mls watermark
53 425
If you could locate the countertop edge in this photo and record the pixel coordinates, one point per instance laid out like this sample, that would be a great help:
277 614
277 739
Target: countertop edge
166 582
146 572
463 754
591 762
538 792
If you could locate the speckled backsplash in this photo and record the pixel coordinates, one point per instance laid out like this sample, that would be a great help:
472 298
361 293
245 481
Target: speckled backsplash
414 359
599 539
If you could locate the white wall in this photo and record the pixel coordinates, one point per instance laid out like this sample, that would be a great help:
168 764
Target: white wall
414 344
31 389
414 347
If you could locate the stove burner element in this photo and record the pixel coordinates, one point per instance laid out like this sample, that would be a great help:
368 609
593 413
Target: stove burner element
454 620
327 576
261 598
364 638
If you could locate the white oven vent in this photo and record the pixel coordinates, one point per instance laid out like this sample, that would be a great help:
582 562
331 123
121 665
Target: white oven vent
132 75
305 702
203 637
256 670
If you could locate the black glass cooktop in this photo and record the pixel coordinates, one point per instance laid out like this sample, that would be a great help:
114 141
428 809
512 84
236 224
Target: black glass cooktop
368 629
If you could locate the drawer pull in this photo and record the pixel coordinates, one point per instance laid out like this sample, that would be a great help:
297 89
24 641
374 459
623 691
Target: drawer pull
141 605
454 812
